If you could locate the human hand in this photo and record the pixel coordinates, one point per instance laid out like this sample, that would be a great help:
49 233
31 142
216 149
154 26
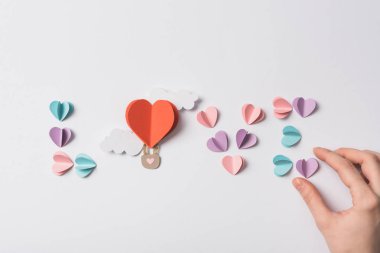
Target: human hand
357 229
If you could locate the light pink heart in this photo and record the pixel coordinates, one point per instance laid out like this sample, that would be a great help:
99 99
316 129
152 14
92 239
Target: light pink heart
252 114
150 160
62 163
208 117
282 108
233 164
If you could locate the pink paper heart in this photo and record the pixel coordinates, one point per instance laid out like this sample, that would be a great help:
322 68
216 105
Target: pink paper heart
233 164
304 107
150 160
252 114
62 163
208 117
307 168
282 108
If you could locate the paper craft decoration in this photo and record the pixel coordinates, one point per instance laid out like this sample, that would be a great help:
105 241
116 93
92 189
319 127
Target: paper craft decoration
282 165
60 136
62 163
282 108
245 140
307 168
252 114
208 117
151 123
85 165
150 161
61 110
291 136
233 164
181 99
304 107
219 143
122 141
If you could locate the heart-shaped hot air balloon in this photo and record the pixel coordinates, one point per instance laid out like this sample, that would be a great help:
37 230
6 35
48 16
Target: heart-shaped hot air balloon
151 122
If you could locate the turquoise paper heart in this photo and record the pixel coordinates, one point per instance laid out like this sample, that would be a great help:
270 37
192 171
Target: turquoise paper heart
84 165
283 165
291 136
61 110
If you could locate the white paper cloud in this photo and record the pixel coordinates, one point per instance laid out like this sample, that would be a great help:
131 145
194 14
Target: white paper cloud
181 99
122 141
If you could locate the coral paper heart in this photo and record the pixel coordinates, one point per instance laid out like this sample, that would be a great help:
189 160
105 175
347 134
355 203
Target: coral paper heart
282 108
233 164
208 117
252 114
151 123
62 163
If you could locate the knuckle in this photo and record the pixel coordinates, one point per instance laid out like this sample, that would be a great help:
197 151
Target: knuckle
369 156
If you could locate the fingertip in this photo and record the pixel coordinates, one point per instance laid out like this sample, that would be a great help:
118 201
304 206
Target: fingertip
298 183
321 152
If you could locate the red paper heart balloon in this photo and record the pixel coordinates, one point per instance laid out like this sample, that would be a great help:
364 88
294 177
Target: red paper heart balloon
151 123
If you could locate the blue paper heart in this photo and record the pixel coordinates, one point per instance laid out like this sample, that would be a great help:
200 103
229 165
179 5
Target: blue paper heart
291 136
61 110
84 165
283 165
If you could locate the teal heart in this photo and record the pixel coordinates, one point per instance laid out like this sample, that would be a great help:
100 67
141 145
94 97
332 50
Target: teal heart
283 165
84 165
291 136
61 110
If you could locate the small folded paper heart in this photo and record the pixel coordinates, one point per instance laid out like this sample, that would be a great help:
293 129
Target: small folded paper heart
61 110
282 108
151 122
85 165
304 107
291 136
244 139
307 168
219 143
233 164
282 165
62 163
252 114
208 117
60 136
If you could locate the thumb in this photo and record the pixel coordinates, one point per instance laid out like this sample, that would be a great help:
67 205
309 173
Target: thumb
314 201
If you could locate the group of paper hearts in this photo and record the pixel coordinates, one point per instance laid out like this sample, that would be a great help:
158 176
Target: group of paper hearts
251 115
61 137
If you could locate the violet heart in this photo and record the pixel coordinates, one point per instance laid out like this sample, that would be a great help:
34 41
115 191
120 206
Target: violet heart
307 168
60 136
219 143
244 139
304 107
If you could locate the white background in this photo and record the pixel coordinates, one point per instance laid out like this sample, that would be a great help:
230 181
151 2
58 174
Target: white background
102 54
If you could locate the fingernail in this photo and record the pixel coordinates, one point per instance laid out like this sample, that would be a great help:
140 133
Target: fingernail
298 184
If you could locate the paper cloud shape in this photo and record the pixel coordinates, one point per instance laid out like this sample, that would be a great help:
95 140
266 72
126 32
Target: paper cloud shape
181 99
122 141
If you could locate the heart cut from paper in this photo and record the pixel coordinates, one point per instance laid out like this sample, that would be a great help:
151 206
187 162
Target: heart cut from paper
85 165
282 165
282 108
60 136
304 107
245 140
233 164
61 110
307 168
291 136
252 114
62 163
219 143
208 117
151 123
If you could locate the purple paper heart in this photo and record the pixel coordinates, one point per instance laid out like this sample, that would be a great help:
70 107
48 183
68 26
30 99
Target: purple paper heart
219 143
60 136
244 139
304 107
307 168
